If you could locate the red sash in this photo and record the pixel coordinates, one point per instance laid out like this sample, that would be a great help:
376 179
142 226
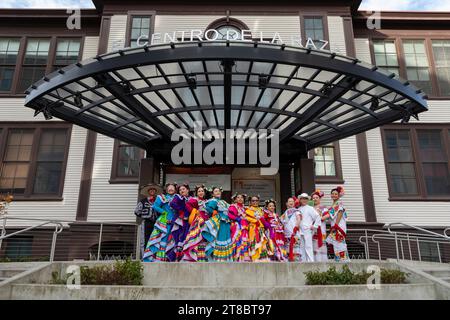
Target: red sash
340 234
318 237
291 245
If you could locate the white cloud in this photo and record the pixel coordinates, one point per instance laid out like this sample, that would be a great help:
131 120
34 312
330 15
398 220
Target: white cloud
401 5
46 4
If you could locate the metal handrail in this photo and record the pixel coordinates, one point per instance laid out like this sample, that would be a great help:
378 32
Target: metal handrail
418 228
59 226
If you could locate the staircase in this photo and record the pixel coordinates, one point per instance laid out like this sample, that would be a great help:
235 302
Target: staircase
229 281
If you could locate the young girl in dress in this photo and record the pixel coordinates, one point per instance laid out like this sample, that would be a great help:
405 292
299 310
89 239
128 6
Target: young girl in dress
239 228
160 238
195 245
258 240
319 239
291 220
338 231
275 232
217 230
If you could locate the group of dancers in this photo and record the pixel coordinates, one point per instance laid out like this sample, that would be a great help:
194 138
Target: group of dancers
200 227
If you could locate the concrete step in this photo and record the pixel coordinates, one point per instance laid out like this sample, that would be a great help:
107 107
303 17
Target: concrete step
439 272
422 291
11 272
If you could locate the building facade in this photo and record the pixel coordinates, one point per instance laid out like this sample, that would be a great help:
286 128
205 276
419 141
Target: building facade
59 171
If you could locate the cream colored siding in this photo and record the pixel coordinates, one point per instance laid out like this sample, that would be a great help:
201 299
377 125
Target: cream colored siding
117 32
362 48
109 202
286 26
350 170
90 47
426 213
336 34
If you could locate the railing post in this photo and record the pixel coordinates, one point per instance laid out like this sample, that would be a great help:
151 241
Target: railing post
439 252
418 250
138 240
409 247
3 230
52 250
99 241
396 245
367 245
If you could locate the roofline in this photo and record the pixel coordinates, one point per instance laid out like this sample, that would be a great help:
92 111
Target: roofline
44 13
407 15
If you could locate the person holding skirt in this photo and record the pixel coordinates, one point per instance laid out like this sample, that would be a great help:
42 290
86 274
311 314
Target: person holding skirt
275 232
338 232
291 219
319 238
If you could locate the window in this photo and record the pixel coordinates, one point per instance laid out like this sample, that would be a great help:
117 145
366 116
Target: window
417 66
67 52
33 160
314 29
34 63
140 26
386 55
429 251
126 161
327 165
441 54
9 50
19 247
22 65
417 162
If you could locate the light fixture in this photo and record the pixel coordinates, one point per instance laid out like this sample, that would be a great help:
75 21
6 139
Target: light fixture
263 80
77 100
374 103
192 81
326 89
126 87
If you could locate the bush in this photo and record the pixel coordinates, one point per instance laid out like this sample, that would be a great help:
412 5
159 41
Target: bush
124 272
347 277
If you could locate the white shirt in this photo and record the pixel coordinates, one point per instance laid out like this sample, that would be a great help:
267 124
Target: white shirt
310 217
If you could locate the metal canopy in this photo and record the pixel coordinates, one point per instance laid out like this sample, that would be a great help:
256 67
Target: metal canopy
141 95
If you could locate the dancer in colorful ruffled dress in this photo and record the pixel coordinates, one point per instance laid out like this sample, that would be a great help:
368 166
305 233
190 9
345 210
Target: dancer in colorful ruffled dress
319 239
338 231
291 220
217 230
239 228
180 227
161 238
275 232
257 225
195 245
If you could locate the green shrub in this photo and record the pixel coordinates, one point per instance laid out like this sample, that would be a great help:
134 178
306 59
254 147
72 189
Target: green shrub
347 277
124 272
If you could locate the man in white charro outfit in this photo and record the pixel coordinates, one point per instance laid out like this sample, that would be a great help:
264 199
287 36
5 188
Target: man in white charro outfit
310 222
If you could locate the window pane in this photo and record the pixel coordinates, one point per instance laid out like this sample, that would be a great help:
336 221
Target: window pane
9 49
398 145
403 178
6 77
37 51
52 145
67 51
128 160
314 30
386 55
29 76
436 177
48 177
417 64
324 161
441 53
430 146
140 26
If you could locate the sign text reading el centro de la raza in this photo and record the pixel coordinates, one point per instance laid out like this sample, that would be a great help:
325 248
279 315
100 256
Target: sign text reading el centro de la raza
231 35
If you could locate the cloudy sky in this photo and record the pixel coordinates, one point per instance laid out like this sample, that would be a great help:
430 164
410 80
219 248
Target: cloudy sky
424 5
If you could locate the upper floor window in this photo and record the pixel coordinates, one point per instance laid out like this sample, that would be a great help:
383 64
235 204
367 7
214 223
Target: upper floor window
314 29
417 65
386 55
33 159
140 26
38 56
441 55
9 50
126 161
417 162
327 164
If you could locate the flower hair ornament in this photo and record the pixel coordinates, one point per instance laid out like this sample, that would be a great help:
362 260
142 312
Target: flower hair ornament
234 196
216 187
170 184
186 185
267 202
319 193
340 190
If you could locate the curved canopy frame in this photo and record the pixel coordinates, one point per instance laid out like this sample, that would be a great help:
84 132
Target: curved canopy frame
140 95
